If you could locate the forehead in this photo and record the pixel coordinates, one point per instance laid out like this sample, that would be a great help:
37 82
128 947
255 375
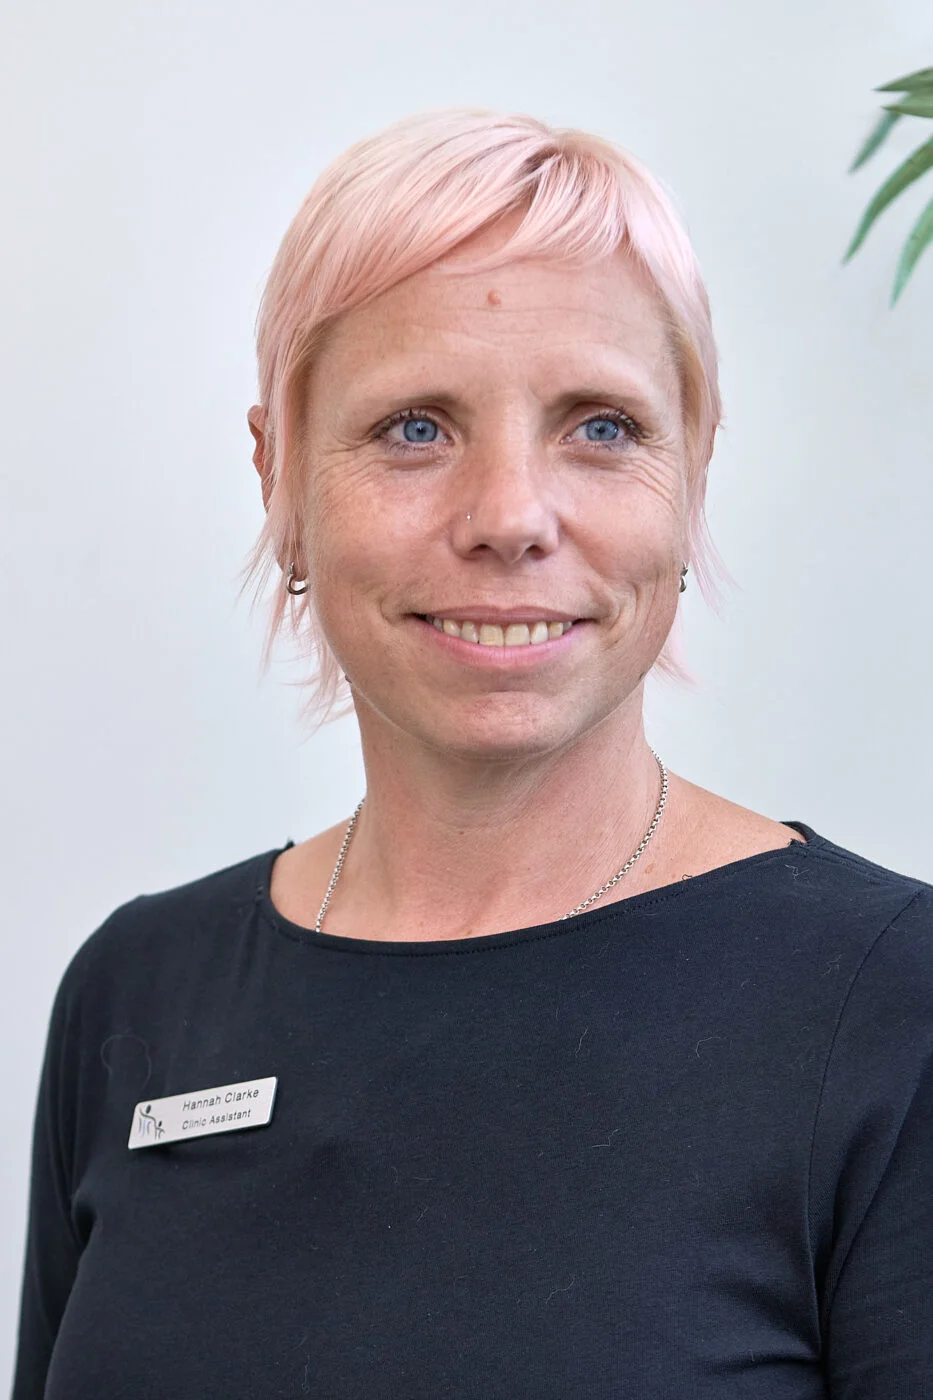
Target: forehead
529 312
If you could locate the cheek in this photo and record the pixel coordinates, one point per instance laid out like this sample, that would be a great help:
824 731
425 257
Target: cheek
358 544
370 523
633 521
632 548
339 516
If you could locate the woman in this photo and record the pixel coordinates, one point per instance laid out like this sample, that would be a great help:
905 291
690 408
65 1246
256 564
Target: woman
560 1075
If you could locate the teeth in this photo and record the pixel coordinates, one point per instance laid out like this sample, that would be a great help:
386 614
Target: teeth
490 634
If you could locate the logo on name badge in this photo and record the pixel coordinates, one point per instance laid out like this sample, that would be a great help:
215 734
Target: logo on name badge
225 1109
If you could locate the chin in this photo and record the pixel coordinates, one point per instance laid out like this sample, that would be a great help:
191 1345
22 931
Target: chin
505 728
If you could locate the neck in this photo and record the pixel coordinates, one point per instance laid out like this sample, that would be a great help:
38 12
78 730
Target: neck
452 848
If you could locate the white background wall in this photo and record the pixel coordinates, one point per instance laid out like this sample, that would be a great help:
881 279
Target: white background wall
151 159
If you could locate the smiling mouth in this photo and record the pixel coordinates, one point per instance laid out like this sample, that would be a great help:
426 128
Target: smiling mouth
493 634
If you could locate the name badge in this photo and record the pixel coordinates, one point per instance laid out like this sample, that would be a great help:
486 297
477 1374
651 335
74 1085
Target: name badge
222 1110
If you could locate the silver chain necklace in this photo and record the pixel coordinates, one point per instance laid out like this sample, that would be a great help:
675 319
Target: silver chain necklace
603 889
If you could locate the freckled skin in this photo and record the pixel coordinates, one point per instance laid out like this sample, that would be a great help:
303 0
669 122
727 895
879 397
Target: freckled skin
553 519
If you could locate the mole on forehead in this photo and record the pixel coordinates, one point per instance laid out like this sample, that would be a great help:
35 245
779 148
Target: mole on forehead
494 298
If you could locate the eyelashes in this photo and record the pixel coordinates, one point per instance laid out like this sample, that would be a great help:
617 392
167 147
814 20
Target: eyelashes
632 430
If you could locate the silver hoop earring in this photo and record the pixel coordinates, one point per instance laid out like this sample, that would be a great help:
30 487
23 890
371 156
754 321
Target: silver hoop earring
290 581
683 578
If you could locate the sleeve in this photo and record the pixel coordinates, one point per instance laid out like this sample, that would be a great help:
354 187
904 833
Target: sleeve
878 1294
52 1245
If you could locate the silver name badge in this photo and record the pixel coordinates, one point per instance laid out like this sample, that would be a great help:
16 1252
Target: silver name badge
221 1110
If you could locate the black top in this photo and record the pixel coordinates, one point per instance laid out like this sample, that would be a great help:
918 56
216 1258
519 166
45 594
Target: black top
680 1146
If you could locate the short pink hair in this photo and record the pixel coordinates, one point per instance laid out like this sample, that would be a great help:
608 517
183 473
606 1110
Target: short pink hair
402 200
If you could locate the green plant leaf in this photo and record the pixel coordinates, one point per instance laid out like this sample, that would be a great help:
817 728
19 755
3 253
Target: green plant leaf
920 236
886 119
923 78
911 169
917 104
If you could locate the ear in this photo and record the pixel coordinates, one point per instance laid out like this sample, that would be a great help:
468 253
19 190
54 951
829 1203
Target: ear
256 418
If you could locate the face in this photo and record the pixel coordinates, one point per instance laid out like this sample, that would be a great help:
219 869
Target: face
495 502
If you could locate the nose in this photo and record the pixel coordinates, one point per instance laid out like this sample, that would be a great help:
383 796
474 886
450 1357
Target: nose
504 502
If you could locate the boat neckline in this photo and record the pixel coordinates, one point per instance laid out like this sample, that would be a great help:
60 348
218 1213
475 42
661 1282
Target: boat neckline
486 942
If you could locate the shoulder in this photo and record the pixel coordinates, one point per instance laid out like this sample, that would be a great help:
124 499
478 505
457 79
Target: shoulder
796 876
820 917
873 927
867 892
865 921
154 929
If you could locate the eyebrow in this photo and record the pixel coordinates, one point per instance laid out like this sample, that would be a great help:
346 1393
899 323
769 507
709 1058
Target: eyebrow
638 396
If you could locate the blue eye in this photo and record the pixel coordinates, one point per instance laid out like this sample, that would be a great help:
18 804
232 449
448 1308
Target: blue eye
418 429
422 430
602 425
612 428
